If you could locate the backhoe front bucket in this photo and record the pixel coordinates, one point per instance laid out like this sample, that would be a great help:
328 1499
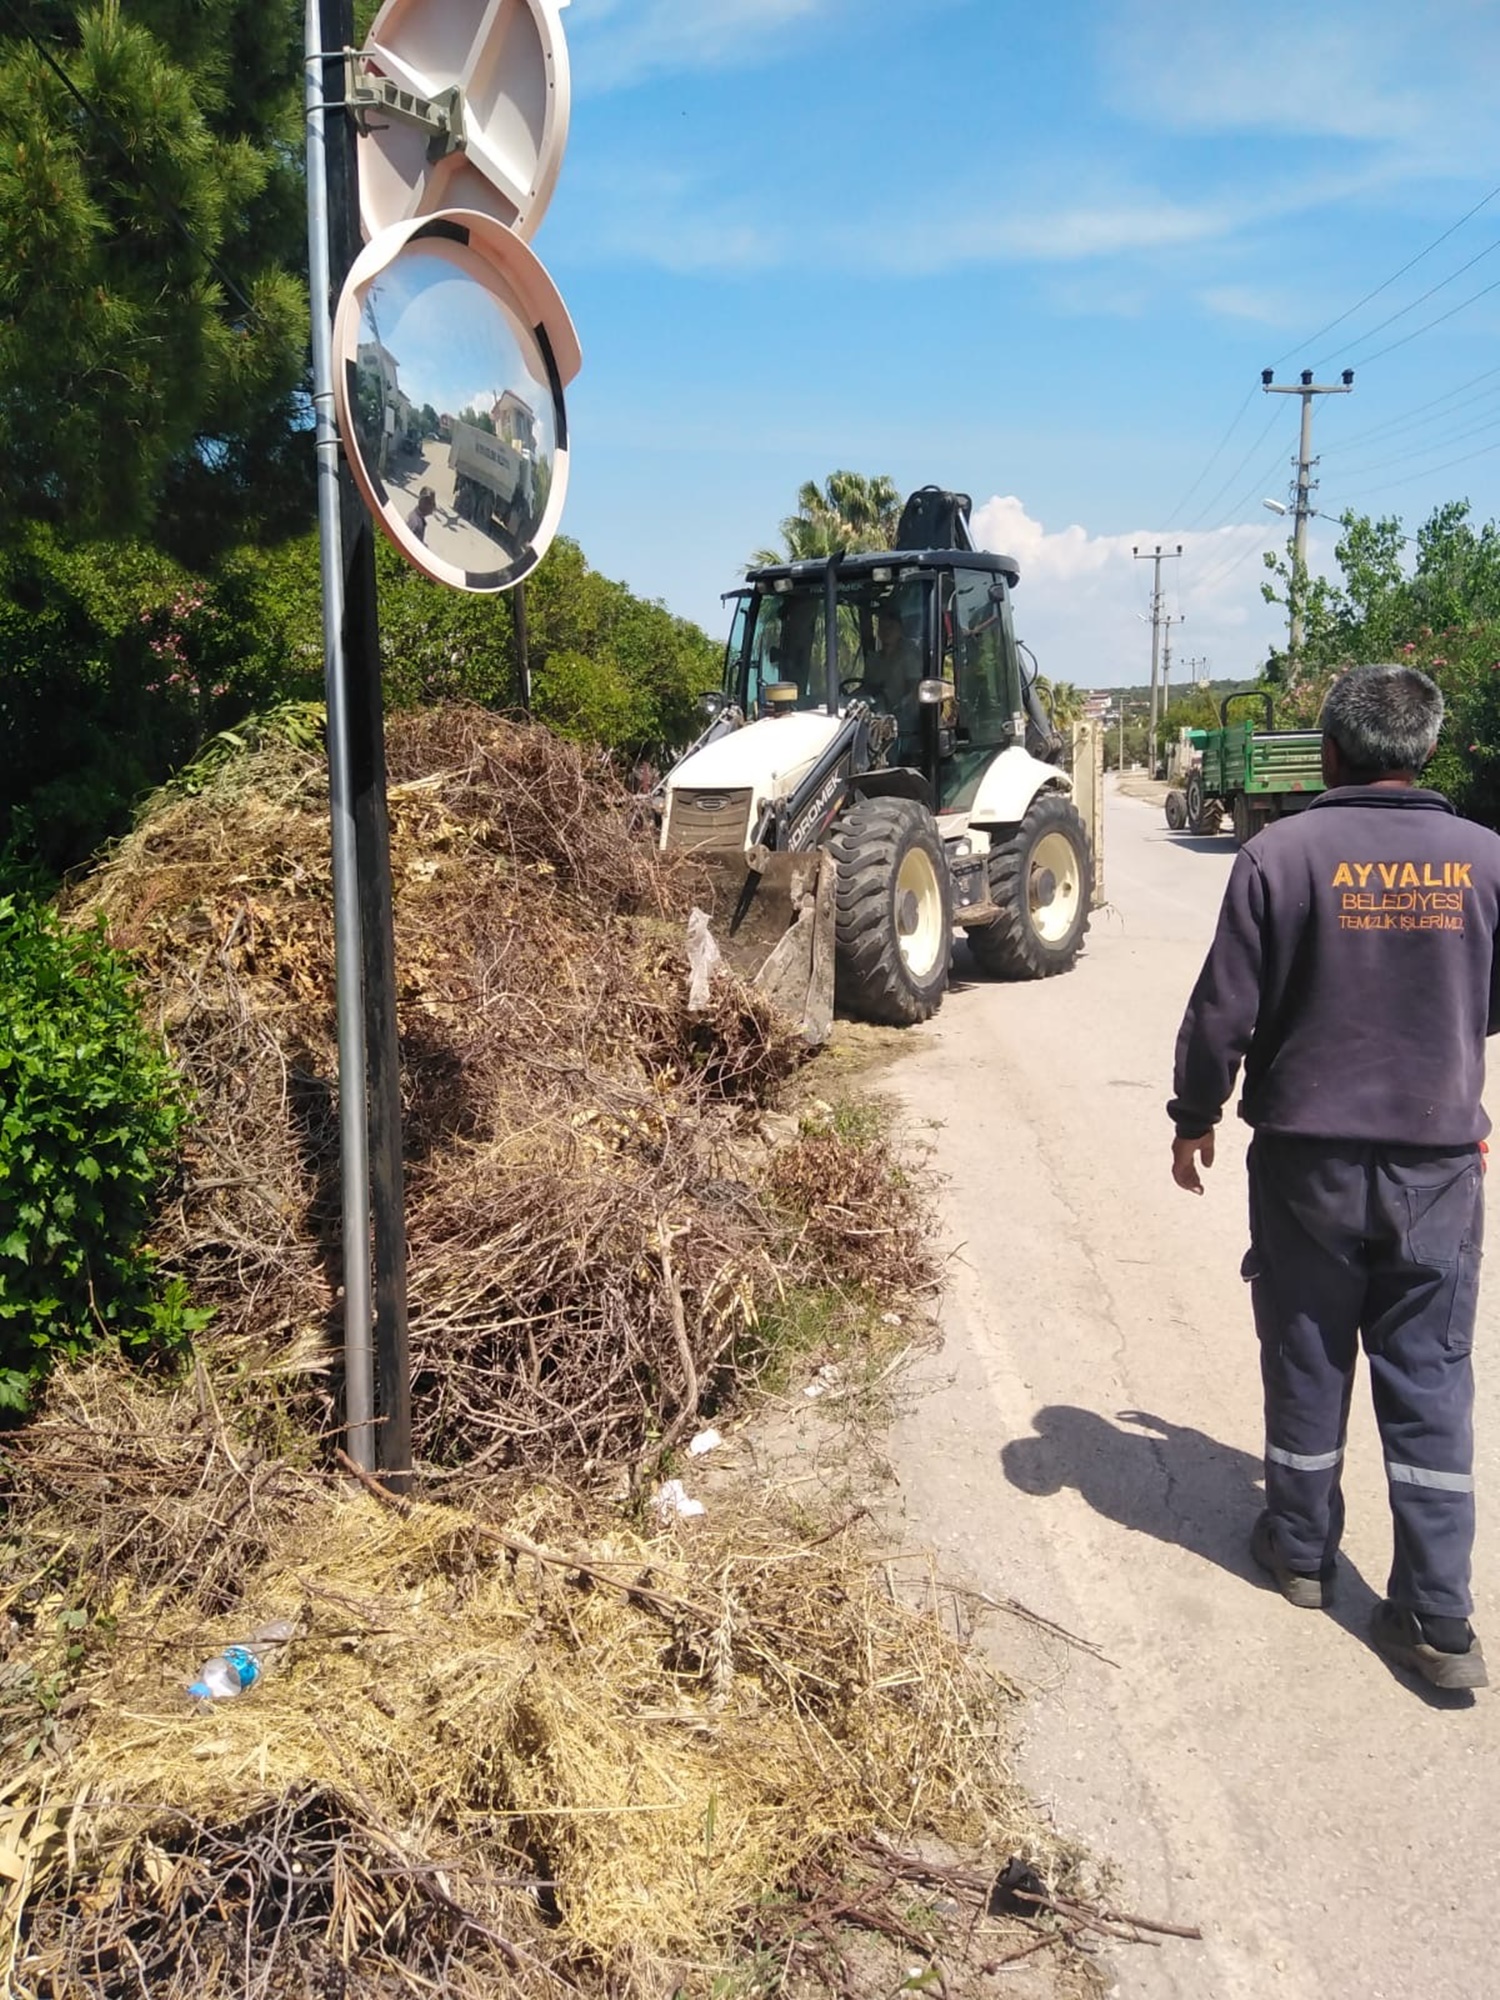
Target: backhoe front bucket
773 922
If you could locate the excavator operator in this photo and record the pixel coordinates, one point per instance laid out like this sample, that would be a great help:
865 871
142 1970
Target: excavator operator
895 667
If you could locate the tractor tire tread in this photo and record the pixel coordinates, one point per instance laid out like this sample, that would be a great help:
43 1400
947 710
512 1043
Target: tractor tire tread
1009 948
870 977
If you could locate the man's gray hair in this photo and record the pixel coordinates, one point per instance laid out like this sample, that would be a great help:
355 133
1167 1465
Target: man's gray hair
1384 719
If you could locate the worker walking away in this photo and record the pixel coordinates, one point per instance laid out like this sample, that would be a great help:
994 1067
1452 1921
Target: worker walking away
1354 973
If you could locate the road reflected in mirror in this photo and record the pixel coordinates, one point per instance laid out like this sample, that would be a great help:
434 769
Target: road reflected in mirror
454 414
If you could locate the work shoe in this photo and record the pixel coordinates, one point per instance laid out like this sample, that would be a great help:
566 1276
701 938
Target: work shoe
1308 1591
1402 1636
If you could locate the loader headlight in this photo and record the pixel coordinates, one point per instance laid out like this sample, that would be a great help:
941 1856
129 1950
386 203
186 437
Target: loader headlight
961 847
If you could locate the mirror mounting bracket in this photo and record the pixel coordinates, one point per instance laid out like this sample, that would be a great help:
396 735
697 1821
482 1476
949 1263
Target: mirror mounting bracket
441 117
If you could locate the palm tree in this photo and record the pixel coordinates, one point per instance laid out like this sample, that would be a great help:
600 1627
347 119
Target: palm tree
1062 701
850 510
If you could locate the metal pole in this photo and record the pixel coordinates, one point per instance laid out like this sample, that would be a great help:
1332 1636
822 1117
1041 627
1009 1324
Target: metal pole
366 726
359 1358
523 647
1306 388
1299 537
1166 668
831 630
1158 556
1166 664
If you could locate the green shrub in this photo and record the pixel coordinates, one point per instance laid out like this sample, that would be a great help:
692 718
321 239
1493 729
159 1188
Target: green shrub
90 1114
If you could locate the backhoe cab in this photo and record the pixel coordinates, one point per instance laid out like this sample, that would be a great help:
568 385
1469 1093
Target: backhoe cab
877 770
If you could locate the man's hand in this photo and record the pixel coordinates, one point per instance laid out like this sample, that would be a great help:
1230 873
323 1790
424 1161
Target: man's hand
1186 1154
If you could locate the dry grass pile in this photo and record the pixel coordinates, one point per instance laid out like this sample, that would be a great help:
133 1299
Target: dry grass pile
526 1741
505 1751
586 1257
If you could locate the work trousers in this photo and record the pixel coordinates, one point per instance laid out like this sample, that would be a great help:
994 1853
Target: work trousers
1380 1243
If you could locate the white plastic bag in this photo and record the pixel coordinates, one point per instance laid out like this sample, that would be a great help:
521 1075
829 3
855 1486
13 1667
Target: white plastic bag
671 1502
703 956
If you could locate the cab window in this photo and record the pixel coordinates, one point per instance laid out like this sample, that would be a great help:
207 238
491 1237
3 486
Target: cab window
980 635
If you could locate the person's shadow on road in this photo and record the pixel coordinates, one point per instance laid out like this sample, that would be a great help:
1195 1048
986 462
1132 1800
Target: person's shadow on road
1183 1487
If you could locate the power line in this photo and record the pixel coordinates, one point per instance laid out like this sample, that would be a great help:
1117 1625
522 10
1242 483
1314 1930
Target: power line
1420 451
1221 576
1431 471
1421 299
1406 339
1257 485
1404 420
1224 562
1386 284
1211 504
167 208
1223 566
1214 454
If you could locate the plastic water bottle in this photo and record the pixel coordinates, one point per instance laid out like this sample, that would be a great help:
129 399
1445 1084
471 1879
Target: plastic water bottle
229 1673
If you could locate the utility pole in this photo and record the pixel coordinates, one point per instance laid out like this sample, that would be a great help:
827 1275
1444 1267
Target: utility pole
378 1385
523 648
1157 557
1166 659
1306 388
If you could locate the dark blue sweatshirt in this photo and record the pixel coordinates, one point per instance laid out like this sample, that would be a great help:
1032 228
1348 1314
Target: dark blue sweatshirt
1354 973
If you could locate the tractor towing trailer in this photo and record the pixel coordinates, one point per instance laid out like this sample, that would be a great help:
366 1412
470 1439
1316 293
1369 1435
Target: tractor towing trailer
1246 774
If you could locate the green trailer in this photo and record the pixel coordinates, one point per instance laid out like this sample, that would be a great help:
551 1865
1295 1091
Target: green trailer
1248 774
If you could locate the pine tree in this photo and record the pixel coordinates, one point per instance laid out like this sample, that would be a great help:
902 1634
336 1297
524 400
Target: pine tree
152 309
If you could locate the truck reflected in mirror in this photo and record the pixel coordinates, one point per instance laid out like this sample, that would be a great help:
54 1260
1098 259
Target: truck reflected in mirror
452 349
453 413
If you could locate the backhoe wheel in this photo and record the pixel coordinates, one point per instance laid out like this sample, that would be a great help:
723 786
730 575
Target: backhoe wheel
1042 879
1176 810
1211 820
893 911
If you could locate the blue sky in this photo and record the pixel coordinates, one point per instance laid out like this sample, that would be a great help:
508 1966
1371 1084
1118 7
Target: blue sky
1037 253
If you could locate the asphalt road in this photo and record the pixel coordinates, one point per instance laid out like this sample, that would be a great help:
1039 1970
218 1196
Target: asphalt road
1088 1442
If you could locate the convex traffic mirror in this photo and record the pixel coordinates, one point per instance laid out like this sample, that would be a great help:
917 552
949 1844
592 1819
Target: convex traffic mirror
452 348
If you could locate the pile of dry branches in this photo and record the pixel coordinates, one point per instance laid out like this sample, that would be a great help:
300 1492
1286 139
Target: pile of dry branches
524 1742
587 1258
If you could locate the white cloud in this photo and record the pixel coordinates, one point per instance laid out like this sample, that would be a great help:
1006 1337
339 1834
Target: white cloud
1380 72
682 221
1083 605
1075 232
622 42
1248 303
669 220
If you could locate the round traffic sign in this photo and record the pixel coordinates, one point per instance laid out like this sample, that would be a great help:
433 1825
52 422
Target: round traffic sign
510 60
451 351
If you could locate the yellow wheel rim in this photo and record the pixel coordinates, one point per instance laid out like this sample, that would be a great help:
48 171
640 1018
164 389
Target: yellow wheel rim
1054 887
919 914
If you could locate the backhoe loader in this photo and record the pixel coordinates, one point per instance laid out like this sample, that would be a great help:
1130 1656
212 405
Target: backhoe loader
877 771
